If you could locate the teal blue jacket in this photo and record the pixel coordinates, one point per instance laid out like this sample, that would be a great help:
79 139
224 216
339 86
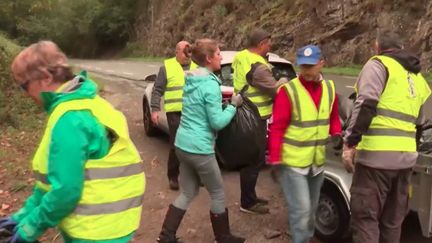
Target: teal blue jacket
76 137
202 113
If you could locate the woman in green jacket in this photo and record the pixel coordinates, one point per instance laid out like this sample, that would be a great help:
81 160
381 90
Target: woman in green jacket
89 177
202 117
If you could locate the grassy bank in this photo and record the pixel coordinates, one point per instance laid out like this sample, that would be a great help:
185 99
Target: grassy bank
145 59
355 71
348 70
21 125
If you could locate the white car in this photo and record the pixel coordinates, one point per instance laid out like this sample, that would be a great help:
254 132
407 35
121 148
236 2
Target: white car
281 67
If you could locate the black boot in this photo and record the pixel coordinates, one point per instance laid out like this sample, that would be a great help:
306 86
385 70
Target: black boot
170 225
221 229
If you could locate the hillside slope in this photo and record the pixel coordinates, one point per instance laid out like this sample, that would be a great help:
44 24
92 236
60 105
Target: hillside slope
345 28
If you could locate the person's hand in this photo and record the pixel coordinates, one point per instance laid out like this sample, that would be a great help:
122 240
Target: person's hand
236 100
7 224
283 80
155 117
348 155
337 142
275 171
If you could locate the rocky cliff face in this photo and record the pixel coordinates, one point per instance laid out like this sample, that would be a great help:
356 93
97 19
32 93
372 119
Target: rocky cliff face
345 29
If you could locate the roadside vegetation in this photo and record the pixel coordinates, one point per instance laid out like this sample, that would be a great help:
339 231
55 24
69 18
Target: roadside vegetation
354 70
20 130
146 59
347 70
84 28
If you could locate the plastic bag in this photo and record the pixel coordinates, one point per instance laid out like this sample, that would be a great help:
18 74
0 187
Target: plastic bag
242 142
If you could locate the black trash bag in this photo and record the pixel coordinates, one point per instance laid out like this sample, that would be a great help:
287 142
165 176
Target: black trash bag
242 142
5 235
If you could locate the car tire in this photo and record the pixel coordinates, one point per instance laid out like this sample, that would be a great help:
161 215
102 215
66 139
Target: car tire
332 216
149 127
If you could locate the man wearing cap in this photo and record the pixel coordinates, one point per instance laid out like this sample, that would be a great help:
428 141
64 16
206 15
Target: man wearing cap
251 68
381 140
169 84
305 111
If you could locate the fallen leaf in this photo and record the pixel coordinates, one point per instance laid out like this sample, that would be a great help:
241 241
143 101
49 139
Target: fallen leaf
5 206
271 234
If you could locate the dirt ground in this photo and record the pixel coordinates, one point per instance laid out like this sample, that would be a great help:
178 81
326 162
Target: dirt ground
196 225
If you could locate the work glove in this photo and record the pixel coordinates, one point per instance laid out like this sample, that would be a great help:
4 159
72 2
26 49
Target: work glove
348 155
337 142
236 100
7 226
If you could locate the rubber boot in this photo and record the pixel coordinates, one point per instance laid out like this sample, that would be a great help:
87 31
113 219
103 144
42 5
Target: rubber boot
170 225
221 228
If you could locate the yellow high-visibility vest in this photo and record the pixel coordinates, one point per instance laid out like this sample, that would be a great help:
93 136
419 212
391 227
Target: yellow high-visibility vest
111 201
307 135
173 96
242 64
393 128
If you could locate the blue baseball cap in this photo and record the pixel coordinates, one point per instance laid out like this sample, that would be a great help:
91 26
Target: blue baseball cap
309 54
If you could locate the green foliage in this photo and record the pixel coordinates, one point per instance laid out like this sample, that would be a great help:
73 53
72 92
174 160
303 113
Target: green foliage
220 10
352 70
13 104
80 27
135 49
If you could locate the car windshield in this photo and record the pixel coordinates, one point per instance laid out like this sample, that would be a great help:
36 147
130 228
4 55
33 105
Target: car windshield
279 70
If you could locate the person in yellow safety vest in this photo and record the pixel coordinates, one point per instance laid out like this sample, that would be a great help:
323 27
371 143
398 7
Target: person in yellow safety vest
251 68
380 141
169 84
305 112
203 115
89 175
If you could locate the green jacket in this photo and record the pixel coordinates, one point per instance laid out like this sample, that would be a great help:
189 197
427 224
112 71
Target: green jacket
76 138
202 113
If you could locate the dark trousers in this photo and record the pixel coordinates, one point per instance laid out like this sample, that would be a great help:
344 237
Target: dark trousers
173 119
249 175
379 204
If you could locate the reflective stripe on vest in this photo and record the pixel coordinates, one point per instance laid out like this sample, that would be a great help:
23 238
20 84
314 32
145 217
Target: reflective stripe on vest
111 207
110 203
307 135
242 64
101 173
173 96
393 128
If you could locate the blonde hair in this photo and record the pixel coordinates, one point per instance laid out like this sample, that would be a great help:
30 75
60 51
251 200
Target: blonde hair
201 49
41 60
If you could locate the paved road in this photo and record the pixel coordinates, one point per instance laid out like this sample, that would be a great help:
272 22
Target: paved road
134 70
132 74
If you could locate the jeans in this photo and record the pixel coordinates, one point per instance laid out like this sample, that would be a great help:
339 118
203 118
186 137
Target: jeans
193 169
173 119
302 195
